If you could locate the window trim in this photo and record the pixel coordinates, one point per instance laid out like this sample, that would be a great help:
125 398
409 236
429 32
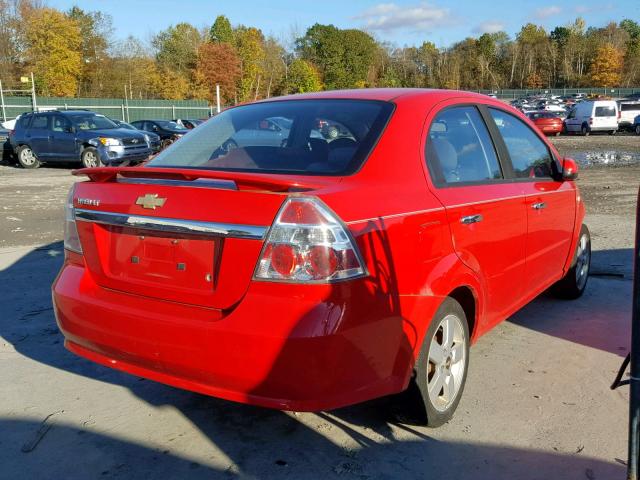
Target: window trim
509 162
491 181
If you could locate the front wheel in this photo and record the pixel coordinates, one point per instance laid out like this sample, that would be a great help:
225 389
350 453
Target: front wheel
574 283
440 372
89 158
26 157
637 129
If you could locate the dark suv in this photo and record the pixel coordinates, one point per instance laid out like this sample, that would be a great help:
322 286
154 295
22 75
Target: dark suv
75 135
169 131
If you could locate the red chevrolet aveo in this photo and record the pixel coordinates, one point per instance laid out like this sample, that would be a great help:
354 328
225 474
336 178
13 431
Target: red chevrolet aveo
262 260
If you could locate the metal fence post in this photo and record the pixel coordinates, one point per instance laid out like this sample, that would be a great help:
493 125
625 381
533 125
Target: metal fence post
173 112
4 113
34 104
634 381
122 108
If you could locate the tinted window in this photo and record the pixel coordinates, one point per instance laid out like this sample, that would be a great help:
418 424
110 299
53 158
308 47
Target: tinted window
625 107
40 122
605 112
459 148
530 156
282 137
23 121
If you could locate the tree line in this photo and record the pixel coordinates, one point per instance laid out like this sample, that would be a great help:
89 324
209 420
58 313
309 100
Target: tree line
74 53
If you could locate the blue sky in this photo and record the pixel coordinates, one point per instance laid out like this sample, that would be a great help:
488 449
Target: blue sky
401 22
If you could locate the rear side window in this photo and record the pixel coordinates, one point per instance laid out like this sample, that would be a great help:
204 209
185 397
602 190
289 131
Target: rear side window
459 148
309 137
625 107
40 122
530 156
23 121
605 112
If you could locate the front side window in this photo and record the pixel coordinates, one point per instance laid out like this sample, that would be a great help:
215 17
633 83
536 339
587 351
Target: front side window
61 124
283 137
459 148
530 156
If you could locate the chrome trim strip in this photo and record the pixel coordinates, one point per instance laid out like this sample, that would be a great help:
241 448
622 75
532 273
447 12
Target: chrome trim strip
172 225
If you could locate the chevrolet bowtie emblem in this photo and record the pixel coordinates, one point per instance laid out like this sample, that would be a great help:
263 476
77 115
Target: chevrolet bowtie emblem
151 201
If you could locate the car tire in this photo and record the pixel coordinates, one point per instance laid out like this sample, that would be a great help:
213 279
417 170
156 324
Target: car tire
557 134
27 158
574 283
638 129
584 130
437 370
612 132
90 158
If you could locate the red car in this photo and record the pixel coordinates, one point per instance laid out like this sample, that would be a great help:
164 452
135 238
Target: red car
548 123
311 273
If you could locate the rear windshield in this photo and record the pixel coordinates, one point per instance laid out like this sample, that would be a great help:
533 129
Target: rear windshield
310 137
605 111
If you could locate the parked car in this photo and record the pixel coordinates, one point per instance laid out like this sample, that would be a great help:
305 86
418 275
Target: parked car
628 112
547 122
153 139
271 131
307 277
5 146
168 131
593 116
188 123
75 136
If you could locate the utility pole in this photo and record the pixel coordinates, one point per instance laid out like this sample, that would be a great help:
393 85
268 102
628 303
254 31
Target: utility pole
33 94
218 98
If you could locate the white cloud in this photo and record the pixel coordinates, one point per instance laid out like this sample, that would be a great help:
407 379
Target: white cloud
389 16
547 12
490 26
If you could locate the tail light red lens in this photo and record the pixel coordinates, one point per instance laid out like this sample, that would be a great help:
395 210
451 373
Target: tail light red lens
308 243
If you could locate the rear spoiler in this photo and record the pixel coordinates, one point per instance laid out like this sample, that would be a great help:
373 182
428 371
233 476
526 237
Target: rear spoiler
243 180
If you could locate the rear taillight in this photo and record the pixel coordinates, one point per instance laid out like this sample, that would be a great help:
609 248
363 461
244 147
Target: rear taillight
307 243
71 238
590 120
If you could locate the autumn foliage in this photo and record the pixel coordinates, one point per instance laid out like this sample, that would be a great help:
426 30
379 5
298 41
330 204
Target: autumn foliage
606 69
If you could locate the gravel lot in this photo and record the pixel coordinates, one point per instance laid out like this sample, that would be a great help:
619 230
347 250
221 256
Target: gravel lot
537 403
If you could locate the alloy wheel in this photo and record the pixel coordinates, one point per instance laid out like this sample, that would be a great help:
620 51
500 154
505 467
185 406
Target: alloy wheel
90 159
27 157
445 371
583 258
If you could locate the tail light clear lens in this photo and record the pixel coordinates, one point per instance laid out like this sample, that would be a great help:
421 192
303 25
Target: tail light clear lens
308 243
71 238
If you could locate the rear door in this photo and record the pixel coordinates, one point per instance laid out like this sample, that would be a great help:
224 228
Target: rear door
38 135
486 212
550 202
605 116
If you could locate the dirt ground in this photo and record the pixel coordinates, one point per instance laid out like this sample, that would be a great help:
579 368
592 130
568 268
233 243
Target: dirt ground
537 404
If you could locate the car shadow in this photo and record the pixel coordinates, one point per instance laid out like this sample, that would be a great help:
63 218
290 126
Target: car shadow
244 441
601 318
287 449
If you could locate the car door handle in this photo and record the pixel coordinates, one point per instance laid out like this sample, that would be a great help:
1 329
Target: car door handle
469 219
539 206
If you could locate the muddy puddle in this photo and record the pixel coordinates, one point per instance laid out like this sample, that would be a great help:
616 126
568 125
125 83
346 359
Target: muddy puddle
614 158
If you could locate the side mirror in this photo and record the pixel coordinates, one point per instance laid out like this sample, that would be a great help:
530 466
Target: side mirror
569 169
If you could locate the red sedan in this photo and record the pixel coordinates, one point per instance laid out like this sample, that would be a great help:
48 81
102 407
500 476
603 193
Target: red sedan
304 273
548 123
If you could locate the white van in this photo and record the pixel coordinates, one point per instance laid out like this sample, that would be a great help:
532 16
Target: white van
628 112
593 116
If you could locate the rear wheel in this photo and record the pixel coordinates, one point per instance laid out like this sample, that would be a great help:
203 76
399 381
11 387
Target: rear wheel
612 132
89 158
585 130
574 283
637 129
440 372
26 157
557 134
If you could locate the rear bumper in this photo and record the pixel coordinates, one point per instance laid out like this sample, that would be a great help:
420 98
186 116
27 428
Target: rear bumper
302 348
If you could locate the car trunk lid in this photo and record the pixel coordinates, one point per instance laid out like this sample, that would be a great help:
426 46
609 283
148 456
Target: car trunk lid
183 236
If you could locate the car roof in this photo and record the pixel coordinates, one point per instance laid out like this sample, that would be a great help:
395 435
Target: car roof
397 95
